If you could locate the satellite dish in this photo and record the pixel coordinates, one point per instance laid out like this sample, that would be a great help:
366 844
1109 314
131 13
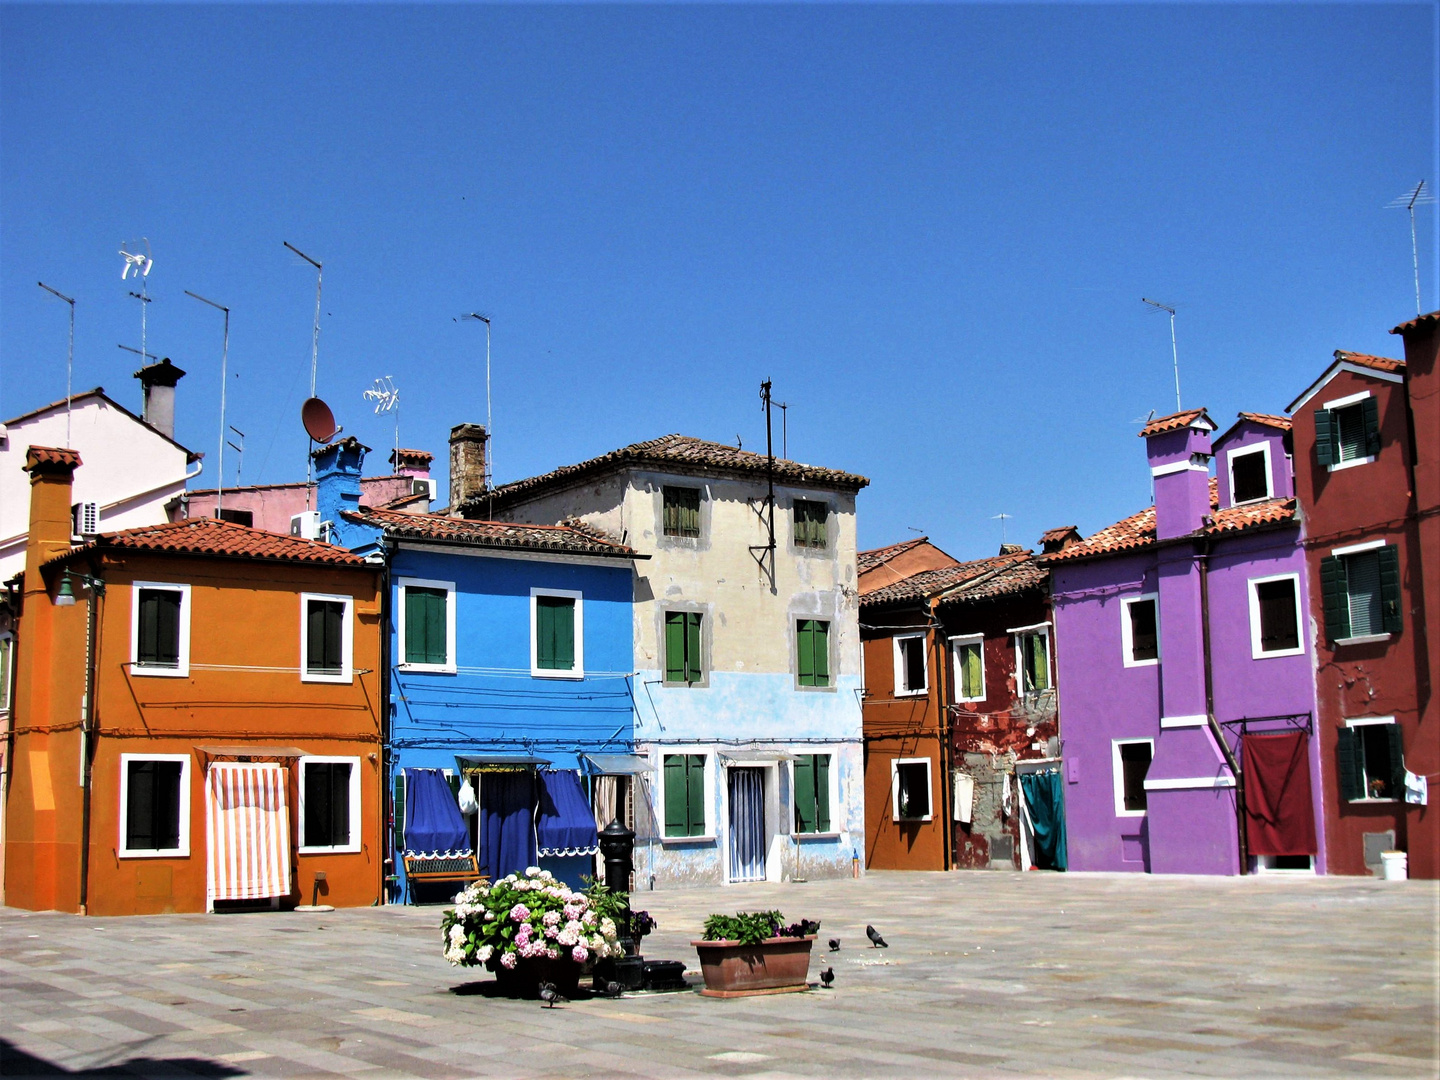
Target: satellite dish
136 261
319 421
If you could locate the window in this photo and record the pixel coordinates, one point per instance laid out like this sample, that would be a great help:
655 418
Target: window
330 804
684 781
912 675
680 511
1250 474
812 793
810 517
557 633
154 805
1032 658
427 625
1275 616
1371 762
1360 587
1347 431
1131 762
682 647
1140 630
160 629
812 652
237 517
910 789
6 644
325 638
969 658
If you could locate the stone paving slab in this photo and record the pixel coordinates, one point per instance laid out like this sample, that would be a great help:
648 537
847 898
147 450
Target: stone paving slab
988 975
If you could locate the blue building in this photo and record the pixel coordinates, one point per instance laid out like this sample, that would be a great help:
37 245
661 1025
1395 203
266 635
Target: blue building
510 664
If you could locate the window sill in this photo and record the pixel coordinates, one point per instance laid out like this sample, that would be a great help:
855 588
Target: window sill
908 693
699 684
1130 813
708 838
348 849
912 820
1271 654
550 673
1338 466
161 672
801 836
1251 502
426 669
971 700
1363 639
815 689
166 853
311 677
1152 662
1369 802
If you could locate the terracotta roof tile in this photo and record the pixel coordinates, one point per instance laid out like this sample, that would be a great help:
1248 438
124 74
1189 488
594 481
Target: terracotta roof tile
1019 576
1175 422
416 457
928 583
1053 535
1417 322
866 561
1266 420
679 453
211 536
51 455
1379 363
573 537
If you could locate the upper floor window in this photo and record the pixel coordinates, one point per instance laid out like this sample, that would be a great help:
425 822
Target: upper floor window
1275 616
969 657
812 652
325 638
427 625
682 647
810 519
556 633
1360 587
1347 431
910 789
160 629
1032 658
1140 630
912 674
1371 761
680 511
1250 474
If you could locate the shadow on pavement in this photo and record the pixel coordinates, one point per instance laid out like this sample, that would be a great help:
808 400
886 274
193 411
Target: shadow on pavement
15 1062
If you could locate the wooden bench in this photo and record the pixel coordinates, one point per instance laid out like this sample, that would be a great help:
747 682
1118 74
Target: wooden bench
462 869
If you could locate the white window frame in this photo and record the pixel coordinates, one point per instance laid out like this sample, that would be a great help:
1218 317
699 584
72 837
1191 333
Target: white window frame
833 793
355 817
1367 721
900 665
1256 652
1043 629
966 639
7 668
895 764
1245 451
182 668
1343 403
578 671
1360 549
707 798
1127 631
1117 771
447 668
183 850
347 639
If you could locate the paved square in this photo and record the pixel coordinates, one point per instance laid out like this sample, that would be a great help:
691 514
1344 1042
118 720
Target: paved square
988 974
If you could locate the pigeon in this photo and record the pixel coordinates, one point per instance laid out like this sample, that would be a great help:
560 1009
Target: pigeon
827 977
612 989
834 944
875 938
549 994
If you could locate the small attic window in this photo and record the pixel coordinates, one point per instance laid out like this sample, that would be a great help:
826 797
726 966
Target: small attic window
1250 474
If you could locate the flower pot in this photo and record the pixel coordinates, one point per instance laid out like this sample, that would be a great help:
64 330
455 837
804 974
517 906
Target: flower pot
775 966
524 979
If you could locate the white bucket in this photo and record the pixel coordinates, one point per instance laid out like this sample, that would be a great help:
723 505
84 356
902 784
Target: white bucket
1394 865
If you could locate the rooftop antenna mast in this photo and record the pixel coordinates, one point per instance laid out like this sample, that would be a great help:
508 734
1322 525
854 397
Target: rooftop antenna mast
239 451
1419 195
1003 517
1174 353
489 428
314 356
765 553
138 263
224 360
387 399
69 356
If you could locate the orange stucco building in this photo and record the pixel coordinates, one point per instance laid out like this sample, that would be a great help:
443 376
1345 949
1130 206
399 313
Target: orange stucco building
197 717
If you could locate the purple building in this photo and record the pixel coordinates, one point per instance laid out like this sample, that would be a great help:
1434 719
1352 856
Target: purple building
1185 665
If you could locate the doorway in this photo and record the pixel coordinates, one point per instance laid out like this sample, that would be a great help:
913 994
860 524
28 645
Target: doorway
747 823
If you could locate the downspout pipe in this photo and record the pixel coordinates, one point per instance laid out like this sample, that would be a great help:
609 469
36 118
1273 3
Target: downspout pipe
942 724
387 832
88 733
1204 563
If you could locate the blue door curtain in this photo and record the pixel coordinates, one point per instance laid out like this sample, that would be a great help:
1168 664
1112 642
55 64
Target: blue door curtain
1045 798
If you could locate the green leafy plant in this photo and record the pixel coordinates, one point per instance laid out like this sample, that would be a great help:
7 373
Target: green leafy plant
753 927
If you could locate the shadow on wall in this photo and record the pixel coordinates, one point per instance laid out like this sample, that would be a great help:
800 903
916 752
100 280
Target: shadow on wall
15 1062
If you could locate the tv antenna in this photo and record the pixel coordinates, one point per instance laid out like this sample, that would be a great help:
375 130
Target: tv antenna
138 264
224 358
1174 354
489 429
1003 517
1419 195
69 356
387 399
315 334
239 451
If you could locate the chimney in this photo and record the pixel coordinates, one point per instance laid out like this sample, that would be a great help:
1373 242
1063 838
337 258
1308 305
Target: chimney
412 463
1053 540
52 470
158 384
469 467
1178 448
337 488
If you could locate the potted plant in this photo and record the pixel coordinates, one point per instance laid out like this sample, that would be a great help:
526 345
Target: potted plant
753 953
528 928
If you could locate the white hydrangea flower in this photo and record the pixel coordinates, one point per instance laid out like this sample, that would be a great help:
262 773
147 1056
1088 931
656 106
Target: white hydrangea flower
486 951
457 934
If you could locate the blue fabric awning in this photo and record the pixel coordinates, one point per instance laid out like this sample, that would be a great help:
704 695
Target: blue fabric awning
566 823
433 825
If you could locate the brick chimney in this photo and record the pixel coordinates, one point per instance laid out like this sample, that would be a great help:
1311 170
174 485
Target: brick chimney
1178 449
52 471
469 467
158 384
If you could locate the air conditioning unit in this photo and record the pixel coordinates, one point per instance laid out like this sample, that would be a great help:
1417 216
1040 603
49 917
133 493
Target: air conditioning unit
306 525
417 486
86 518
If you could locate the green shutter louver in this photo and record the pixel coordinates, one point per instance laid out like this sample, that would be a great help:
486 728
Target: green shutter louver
676 813
675 646
822 793
1390 612
970 659
695 793
1348 767
820 641
805 651
1324 438
397 809
1371 411
1335 597
680 511
1397 761
555 633
693 668
426 626
805 793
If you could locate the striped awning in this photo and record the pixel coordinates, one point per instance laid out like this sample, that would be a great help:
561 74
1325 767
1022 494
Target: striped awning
248 831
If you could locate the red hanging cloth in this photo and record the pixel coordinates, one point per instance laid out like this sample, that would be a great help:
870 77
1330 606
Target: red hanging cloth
1279 815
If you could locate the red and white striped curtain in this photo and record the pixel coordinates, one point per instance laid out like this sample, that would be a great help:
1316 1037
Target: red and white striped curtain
248 826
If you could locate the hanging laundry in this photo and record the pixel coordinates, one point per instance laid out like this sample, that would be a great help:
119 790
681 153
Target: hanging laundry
1417 789
964 797
1005 794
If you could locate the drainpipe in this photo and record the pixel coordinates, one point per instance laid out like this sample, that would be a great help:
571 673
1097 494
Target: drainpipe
942 723
1214 725
387 852
87 739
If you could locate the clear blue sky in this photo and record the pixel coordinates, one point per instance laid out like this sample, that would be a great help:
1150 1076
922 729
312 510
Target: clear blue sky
932 226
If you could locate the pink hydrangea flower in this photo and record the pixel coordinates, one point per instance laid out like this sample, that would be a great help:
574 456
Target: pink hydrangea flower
519 913
578 954
509 960
551 918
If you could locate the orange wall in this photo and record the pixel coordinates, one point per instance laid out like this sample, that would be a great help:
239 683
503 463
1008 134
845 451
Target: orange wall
243 687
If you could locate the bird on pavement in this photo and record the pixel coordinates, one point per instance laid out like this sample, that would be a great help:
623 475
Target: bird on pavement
875 938
612 989
549 994
834 944
827 977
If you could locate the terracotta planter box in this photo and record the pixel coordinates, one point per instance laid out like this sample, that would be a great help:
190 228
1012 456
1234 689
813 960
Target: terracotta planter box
775 966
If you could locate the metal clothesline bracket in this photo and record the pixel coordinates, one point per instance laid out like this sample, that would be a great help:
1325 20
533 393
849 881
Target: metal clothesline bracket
1292 722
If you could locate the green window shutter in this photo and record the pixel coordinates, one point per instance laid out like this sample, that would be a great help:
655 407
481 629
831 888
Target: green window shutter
805 651
805 793
695 793
1397 762
822 792
820 643
426 637
398 810
675 646
555 633
1335 596
1324 438
676 814
971 656
1390 613
1348 767
1371 412
693 667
